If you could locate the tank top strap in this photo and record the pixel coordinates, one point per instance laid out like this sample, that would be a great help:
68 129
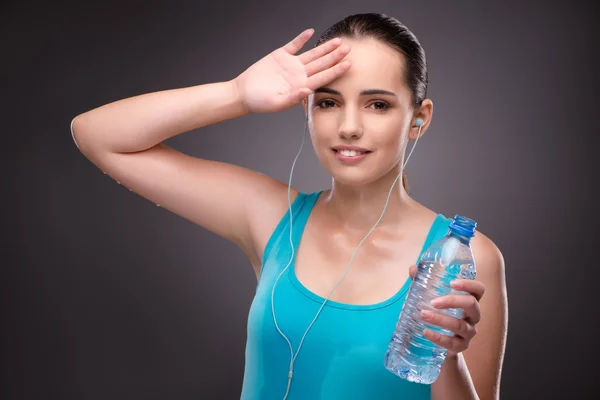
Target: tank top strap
438 230
279 242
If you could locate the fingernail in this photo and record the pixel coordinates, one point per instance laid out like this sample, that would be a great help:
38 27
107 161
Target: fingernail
456 284
426 314
436 302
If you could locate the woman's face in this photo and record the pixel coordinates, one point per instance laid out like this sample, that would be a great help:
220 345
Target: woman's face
378 123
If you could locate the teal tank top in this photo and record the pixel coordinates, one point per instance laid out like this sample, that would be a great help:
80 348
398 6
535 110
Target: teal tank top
342 354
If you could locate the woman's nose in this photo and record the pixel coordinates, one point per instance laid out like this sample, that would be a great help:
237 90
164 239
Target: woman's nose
350 126
350 135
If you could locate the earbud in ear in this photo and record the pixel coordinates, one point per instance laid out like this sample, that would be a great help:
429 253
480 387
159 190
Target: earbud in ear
419 122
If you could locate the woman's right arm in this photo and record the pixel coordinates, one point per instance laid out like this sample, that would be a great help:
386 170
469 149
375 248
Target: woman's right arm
124 139
138 123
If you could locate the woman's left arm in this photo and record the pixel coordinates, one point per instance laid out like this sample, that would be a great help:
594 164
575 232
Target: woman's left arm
472 369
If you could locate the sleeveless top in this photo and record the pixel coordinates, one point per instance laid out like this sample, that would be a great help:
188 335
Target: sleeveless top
342 354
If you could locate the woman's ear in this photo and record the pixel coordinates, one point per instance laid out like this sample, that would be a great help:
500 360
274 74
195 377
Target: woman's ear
425 112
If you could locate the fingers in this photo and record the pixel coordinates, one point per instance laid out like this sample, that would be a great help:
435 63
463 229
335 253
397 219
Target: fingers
320 51
459 327
303 93
322 63
296 44
474 287
463 328
327 61
454 344
467 302
317 80
412 271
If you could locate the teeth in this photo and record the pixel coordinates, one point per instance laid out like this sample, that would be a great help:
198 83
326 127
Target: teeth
350 153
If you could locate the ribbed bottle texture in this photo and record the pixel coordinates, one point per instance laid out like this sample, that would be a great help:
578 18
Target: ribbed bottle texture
411 355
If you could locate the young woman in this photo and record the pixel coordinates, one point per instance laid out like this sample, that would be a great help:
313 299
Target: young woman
322 316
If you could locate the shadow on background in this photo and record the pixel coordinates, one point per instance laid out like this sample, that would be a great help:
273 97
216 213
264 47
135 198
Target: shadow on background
107 296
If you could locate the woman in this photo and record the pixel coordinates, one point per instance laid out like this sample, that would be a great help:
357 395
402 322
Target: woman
360 136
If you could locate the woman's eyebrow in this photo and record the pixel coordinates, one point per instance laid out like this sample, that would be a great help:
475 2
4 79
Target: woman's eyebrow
363 93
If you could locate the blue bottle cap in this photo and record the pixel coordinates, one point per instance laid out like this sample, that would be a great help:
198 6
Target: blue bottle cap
463 225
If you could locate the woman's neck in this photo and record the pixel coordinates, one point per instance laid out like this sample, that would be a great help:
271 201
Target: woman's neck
360 207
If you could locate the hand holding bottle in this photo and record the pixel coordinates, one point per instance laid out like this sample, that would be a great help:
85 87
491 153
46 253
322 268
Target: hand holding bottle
464 328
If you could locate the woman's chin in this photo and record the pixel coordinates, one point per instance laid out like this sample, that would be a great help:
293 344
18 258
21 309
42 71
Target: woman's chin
353 178
355 174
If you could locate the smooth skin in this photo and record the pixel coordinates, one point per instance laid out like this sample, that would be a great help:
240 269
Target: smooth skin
124 139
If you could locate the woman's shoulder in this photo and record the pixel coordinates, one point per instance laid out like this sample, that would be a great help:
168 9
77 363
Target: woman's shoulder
487 252
483 243
488 257
425 217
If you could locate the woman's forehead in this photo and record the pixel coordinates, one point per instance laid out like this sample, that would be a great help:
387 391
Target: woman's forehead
375 65
372 52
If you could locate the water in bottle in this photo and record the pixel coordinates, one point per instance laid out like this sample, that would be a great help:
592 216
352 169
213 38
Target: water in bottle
411 355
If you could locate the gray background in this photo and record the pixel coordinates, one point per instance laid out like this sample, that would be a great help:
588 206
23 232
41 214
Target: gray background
106 296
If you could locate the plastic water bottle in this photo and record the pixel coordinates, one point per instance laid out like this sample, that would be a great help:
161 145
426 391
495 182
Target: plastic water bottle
411 355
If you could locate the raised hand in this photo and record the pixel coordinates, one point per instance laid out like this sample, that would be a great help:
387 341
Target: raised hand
281 79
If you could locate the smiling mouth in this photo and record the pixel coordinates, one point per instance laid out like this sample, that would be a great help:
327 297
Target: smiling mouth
351 153
350 157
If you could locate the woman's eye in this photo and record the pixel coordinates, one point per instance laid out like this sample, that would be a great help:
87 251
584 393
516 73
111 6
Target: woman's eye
385 106
380 105
323 102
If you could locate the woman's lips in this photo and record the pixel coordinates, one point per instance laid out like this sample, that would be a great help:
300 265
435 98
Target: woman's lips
350 159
